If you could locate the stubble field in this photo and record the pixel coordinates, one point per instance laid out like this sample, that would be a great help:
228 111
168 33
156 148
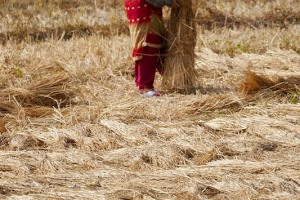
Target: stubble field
72 125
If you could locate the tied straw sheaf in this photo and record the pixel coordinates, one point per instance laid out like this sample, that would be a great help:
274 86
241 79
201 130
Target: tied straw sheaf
254 83
37 97
180 74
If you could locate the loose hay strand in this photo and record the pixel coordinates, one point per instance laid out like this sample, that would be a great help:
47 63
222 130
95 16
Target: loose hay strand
179 67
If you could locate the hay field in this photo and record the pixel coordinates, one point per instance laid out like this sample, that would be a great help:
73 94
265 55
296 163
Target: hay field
72 125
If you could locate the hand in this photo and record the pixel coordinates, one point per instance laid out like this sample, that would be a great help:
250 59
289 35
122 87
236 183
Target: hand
174 4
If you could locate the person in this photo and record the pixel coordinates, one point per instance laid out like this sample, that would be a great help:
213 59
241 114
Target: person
147 31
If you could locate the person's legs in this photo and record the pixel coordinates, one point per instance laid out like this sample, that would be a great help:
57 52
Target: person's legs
145 69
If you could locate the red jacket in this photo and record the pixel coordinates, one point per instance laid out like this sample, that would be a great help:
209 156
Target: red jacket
140 11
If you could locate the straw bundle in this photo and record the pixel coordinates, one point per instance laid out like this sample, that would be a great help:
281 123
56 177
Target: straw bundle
253 83
37 98
179 68
51 90
46 92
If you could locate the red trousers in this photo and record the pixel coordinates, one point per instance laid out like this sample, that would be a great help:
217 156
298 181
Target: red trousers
146 67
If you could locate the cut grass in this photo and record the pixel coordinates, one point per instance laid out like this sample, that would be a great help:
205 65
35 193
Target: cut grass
108 143
248 40
65 19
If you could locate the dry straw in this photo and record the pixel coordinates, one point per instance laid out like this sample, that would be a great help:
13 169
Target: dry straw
211 103
37 98
254 83
179 68
2 125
